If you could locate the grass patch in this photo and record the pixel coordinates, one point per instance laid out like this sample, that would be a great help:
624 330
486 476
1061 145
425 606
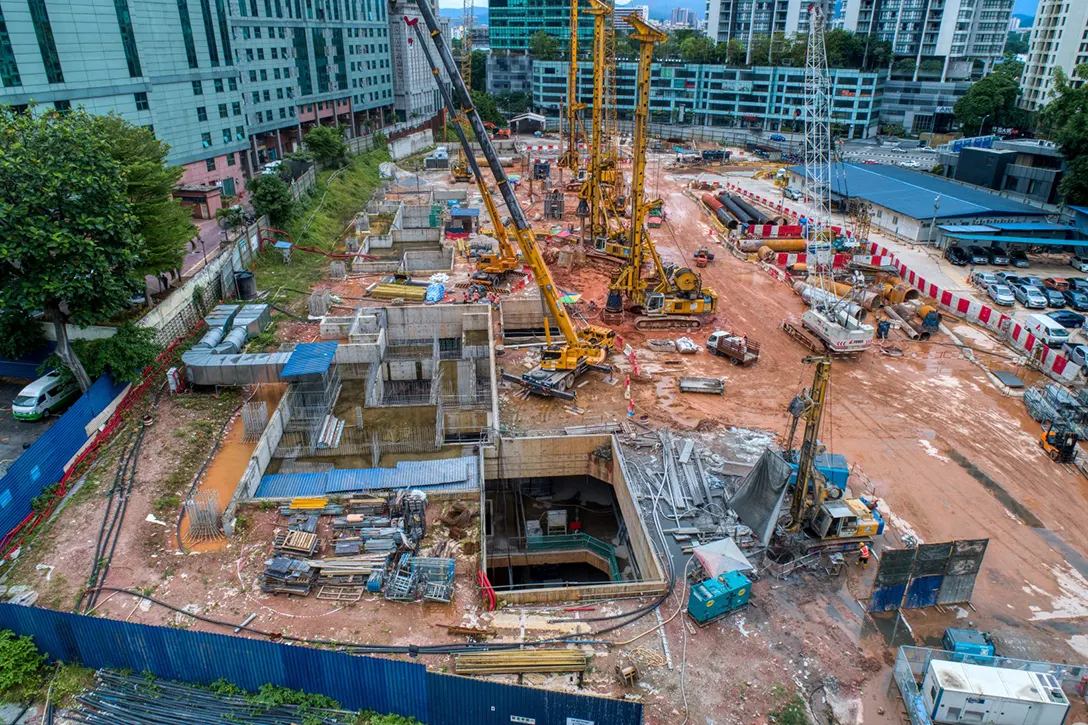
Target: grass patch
69 681
790 708
167 503
266 341
319 219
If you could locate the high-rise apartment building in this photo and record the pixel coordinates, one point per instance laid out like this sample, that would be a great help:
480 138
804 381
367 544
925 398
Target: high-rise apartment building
619 12
415 92
954 32
746 19
1059 39
228 84
511 23
681 17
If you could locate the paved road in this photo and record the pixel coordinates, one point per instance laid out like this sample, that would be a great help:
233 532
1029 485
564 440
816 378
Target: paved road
16 435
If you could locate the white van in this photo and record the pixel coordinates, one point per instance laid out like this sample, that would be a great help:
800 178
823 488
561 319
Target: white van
42 397
1047 330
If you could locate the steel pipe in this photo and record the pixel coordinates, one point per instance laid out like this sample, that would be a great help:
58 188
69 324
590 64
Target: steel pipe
810 294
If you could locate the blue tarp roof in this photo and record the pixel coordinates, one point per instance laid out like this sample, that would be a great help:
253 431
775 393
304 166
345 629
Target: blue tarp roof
444 474
967 228
462 211
1037 241
913 193
43 463
1033 227
310 358
1081 209
26 368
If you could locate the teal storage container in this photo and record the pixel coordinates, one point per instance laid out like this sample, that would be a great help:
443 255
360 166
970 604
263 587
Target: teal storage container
715 598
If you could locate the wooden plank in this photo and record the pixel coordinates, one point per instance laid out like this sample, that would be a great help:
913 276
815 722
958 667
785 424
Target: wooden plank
685 450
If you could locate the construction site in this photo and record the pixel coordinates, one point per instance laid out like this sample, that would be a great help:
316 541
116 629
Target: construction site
572 411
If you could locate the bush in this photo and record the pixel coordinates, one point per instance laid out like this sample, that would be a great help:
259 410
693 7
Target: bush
22 667
124 356
272 196
327 144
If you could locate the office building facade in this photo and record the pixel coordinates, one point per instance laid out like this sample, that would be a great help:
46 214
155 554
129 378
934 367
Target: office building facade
509 73
922 106
228 85
746 19
955 32
1028 169
512 23
770 99
415 93
1059 39
619 12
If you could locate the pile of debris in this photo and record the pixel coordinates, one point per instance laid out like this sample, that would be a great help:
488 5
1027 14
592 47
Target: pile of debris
418 577
287 576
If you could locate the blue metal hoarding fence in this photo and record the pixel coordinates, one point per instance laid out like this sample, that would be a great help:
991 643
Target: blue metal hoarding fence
358 683
923 591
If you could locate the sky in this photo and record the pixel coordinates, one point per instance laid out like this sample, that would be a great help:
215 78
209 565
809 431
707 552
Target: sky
1026 7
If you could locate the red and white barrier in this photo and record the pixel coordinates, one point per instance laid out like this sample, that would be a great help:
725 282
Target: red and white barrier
775 231
1051 361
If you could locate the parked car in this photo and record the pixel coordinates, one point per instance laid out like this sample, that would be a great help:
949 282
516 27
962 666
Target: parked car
1018 258
791 193
1054 298
1029 297
43 397
777 137
1076 299
1033 281
1067 319
1077 354
1079 263
997 256
1077 283
957 256
978 255
984 279
1009 278
1056 283
1001 294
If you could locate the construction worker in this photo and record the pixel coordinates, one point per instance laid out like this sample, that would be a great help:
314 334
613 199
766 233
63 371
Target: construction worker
863 556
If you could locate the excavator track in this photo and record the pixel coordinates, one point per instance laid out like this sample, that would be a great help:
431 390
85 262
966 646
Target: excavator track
668 322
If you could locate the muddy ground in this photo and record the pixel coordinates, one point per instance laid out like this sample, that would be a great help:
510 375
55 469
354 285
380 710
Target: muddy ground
923 428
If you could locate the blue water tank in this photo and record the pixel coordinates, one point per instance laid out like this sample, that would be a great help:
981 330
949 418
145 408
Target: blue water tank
717 597
833 466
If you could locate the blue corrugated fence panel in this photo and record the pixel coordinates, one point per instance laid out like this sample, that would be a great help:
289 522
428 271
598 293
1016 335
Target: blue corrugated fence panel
43 463
26 367
887 599
923 592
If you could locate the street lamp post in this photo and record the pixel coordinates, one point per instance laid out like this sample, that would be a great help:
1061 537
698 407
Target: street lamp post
982 126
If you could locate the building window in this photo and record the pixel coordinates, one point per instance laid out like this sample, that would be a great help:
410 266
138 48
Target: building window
62 107
218 85
260 53
46 44
257 33
232 84
9 68
260 117
264 74
223 113
226 135
187 33
242 8
209 31
274 54
128 38
267 96
198 89
283 113
201 113
210 164
245 33
141 101
206 139
230 159
253 76
240 133
279 93
276 73
249 54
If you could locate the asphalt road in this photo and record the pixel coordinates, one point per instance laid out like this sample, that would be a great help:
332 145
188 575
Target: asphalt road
16 435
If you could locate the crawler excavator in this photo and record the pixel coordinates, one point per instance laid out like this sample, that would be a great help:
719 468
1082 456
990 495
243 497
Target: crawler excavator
561 363
679 293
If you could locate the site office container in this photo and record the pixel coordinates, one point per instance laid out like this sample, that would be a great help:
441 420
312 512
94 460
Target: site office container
955 692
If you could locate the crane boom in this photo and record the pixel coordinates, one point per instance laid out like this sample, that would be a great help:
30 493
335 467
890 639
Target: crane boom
507 258
581 348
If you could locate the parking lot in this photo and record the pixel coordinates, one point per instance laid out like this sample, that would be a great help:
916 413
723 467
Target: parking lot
16 435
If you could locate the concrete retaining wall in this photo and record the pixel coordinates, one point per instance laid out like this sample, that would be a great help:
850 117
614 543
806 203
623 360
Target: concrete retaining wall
258 462
523 314
443 195
417 235
413 216
438 260
411 144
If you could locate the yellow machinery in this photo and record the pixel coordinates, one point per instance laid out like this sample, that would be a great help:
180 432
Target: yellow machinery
679 291
782 178
581 349
459 170
1059 443
571 159
848 522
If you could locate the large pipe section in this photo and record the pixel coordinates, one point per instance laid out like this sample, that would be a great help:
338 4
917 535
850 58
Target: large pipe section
730 206
899 292
757 216
719 211
812 294
793 246
912 330
867 299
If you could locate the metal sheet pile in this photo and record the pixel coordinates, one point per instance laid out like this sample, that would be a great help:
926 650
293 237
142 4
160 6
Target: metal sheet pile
135 700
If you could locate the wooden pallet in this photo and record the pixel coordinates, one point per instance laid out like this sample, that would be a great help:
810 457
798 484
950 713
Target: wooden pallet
340 594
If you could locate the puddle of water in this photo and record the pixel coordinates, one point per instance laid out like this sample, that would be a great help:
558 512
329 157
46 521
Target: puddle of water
1017 508
891 627
229 463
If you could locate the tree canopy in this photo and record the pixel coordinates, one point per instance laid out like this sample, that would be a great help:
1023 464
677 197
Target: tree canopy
272 196
124 356
1065 118
327 144
513 102
544 46
479 71
485 106
993 100
164 224
69 241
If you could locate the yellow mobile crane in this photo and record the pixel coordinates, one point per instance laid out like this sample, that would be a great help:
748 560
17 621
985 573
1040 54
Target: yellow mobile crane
561 363
818 512
679 290
571 159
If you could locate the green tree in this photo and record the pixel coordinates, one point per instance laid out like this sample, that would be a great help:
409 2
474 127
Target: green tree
844 50
487 109
272 196
20 332
513 102
992 99
165 225
733 53
543 46
904 66
479 70
698 49
124 356
1065 119
69 244
327 144
1016 44
22 667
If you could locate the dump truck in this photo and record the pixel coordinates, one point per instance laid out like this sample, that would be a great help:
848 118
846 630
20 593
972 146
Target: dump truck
738 349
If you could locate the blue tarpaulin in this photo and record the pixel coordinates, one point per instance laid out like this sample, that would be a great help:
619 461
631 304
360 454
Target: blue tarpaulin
435 293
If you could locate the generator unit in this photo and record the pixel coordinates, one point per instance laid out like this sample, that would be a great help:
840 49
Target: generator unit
955 692
968 642
714 598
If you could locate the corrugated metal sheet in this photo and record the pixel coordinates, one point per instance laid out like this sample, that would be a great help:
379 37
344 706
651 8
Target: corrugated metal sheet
887 599
446 474
1033 227
26 368
968 228
43 463
358 683
310 358
956 589
923 591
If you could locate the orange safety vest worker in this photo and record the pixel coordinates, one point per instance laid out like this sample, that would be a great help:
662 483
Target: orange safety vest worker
863 555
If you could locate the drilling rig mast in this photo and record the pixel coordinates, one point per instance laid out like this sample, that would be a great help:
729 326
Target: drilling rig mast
570 158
